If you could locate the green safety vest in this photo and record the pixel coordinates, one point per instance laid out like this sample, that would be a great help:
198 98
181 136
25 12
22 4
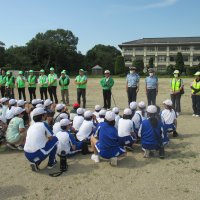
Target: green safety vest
43 81
32 80
107 85
20 82
51 78
2 80
176 84
64 82
10 82
196 85
81 79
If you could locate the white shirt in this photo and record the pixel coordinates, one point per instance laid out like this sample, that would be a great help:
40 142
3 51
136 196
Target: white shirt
77 122
168 116
64 142
36 137
56 128
125 127
96 114
10 112
72 115
85 130
31 118
100 120
117 117
4 110
138 118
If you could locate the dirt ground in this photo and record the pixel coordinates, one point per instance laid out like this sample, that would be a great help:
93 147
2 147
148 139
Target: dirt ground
174 178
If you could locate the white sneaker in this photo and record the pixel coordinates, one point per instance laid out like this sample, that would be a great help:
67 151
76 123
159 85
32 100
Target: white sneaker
113 161
197 115
95 158
177 113
193 115
146 153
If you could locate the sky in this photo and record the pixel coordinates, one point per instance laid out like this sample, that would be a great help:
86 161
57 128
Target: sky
108 22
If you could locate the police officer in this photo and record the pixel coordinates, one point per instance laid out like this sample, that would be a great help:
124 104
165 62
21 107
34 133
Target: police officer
195 86
32 80
132 84
20 82
81 83
176 90
107 83
151 87
52 85
43 83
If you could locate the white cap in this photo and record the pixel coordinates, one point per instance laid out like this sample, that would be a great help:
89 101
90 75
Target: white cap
12 101
102 112
39 105
80 111
38 111
88 114
10 114
47 102
115 110
133 105
21 102
4 99
18 110
176 72
168 102
64 122
107 72
110 116
3 119
152 109
141 104
34 102
60 106
39 101
97 107
64 116
127 111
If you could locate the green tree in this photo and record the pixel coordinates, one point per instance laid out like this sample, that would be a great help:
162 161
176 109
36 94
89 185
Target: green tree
139 64
170 69
151 63
180 62
102 55
2 54
119 65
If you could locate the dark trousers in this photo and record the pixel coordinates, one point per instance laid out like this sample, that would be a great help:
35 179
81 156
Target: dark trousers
176 101
132 95
107 99
52 93
9 93
43 93
196 104
32 94
151 96
81 92
2 91
21 91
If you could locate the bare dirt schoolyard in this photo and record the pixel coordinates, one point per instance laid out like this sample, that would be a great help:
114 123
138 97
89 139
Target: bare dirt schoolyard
177 177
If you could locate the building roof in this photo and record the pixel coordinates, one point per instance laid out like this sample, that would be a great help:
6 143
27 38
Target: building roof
163 41
97 67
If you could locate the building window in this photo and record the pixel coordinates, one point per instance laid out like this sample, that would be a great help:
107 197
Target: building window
151 49
172 58
196 58
161 68
128 58
128 50
185 48
161 58
173 48
197 48
162 49
139 49
186 58
139 57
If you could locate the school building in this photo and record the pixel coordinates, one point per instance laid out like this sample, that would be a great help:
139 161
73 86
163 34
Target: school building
162 50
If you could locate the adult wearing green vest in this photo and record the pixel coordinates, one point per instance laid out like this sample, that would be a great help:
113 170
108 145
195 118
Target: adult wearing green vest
9 84
52 85
20 82
177 89
32 81
107 83
43 84
81 84
195 86
2 82
64 82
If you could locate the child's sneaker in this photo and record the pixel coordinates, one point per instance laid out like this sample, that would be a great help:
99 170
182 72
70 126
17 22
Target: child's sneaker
175 134
113 161
11 146
34 167
95 158
146 153
50 166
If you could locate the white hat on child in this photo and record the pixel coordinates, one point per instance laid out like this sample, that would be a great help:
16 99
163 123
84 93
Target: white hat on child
80 111
115 110
38 111
21 102
4 99
64 116
110 116
47 102
18 110
97 107
127 111
152 109
12 101
102 112
64 122
60 106
141 104
167 102
88 114
133 105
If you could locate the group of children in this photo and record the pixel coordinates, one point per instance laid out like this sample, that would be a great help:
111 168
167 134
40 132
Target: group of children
44 129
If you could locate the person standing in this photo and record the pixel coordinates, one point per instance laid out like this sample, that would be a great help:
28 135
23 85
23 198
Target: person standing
176 90
20 82
151 87
32 80
195 86
9 85
132 84
107 83
43 82
2 82
64 82
52 85
81 82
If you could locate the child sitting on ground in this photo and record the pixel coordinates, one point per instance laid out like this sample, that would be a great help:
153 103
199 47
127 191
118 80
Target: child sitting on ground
117 116
78 120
